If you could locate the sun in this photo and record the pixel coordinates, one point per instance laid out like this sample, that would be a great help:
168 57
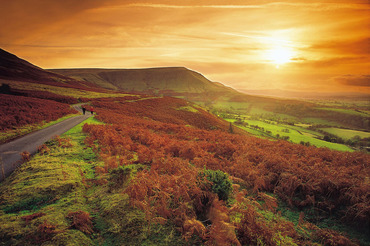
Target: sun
279 55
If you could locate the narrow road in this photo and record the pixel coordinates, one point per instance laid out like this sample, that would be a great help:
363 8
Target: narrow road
10 152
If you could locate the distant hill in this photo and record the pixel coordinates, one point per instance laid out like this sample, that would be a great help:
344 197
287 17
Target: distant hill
15 68
157 80
193 86
168 81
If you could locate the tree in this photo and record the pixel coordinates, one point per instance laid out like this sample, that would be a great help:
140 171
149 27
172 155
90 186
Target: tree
327 138
5 89
231 129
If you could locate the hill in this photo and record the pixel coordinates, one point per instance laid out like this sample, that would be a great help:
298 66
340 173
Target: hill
193 86
158 80
13 68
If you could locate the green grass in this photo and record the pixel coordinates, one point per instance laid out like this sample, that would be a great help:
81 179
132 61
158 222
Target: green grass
231 105
188 108
258 111
51 184
331 222
305 131
319 121
56 184
296 134
346 111
346 133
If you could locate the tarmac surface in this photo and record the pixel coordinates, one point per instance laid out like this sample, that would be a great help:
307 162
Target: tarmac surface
10 152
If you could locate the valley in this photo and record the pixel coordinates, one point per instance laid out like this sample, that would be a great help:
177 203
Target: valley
221 100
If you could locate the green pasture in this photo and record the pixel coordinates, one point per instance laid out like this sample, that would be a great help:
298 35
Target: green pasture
346 111
302 128
296 134
259 111
319 121
346 133
231 105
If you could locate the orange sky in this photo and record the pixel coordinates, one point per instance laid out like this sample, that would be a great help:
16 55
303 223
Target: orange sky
289 45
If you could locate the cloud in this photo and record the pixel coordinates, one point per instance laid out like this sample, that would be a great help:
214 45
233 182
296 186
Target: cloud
357 46
330 62
237 4
298 59
21 18
353 80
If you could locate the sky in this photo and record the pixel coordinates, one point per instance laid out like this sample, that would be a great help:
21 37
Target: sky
314 46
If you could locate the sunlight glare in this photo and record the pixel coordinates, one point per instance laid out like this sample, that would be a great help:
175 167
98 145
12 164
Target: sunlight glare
279 55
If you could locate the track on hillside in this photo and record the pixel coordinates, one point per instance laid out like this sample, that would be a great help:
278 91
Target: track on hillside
10 152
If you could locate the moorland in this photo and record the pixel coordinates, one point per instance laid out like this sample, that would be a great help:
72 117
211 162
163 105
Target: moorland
171 158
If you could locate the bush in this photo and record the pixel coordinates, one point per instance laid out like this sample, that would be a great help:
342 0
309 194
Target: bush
119 176
82 221
220 183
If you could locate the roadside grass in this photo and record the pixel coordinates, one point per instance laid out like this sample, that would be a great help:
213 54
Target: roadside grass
50 185
23 130
38 199
346 133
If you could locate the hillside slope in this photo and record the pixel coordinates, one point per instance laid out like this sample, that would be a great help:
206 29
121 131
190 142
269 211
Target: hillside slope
168 81
193 86
175 79
13 68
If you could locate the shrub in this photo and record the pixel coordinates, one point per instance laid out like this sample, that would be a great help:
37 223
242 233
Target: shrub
81 220
26 156
119 176
220 182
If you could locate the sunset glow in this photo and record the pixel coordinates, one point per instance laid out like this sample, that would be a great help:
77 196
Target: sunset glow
325 45
279 55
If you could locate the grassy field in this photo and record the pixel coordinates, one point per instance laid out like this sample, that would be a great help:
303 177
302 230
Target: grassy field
346 111
319 121
346 133
296 134
231 105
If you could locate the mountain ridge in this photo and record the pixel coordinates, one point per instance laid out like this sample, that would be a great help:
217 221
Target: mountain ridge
14 67
177 79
